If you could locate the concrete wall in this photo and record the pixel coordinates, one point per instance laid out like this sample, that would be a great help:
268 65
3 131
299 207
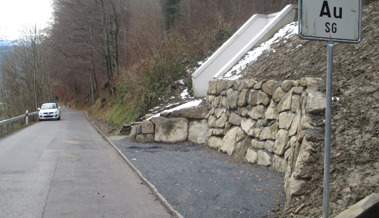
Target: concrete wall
256 30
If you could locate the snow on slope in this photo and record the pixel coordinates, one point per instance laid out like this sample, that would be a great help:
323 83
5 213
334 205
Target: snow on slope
284 33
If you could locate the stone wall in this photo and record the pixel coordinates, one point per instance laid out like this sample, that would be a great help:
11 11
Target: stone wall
188 124
269 123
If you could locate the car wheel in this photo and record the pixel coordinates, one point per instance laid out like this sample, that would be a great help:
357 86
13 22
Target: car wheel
59 118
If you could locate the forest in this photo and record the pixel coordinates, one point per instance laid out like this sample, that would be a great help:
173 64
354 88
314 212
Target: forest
119 57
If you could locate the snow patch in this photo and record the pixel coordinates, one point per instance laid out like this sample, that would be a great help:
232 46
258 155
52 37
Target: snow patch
183 106
284 33
185 94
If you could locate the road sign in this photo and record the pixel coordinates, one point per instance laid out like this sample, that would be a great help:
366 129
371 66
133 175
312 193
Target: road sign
337 20
330 20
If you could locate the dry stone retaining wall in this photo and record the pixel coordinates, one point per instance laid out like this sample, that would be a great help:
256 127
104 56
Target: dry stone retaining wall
269 123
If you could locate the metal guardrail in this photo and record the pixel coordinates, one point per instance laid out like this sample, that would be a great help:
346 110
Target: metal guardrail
8 126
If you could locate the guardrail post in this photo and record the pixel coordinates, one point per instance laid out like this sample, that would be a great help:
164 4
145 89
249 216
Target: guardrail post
27 117
1 130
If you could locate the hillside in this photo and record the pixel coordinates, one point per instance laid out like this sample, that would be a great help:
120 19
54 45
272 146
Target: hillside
354 163
355 137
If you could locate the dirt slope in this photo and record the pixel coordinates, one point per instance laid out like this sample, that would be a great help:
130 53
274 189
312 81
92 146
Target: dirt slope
355 146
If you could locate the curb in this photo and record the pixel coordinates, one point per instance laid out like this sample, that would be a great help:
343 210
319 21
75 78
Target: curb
154 190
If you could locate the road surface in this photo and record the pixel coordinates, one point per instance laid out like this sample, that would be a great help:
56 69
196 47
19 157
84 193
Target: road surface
66 169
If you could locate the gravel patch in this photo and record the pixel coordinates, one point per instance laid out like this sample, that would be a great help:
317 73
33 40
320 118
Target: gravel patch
201 182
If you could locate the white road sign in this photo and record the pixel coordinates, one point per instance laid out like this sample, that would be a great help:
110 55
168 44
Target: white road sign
338 20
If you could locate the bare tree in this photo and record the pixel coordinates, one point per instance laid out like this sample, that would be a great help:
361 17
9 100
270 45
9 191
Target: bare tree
26 81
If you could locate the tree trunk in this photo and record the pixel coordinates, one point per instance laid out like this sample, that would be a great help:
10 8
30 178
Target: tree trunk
115 33
107 48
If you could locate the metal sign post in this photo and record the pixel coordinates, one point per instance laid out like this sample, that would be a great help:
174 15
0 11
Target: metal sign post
330 20
328 127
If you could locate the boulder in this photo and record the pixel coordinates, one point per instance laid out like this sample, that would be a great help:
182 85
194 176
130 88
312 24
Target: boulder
198 112
231 139
251 156
212 121
269 146
281 142
257 144
197 132
285 103
288 84
262 123
218 132
316 102
257 132
294 125
251 83
220 123
212 88
170 130
243 111
241 149
279 164
248 126
298 90
222 85
257 97
305 122
264 159
269 87
126 129
242 98
269 132
145 138
235 119
257 112
296 103
210 98
259 84
304 154
225 103
232 97
272 112
216 102
285 120
243 85
147 127
294 187
136 129
215 142
278 94
312 84
233 84
219 112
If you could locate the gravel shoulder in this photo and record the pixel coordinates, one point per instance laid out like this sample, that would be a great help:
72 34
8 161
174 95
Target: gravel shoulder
201 182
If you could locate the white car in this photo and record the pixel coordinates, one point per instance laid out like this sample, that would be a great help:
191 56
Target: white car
49 111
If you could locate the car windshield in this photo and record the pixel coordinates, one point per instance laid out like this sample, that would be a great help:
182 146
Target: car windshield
49 106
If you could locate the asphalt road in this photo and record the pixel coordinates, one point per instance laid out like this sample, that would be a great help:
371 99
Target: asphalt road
66 169
201 182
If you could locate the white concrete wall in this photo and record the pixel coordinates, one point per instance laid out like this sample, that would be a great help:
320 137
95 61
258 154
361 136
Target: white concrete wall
258 28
